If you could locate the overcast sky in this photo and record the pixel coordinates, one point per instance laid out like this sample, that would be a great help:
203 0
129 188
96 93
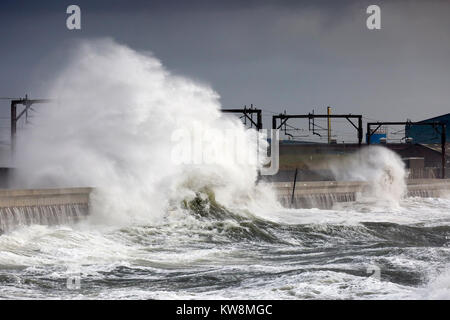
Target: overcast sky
279 55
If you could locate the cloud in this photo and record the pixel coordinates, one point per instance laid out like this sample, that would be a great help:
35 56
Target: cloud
277 54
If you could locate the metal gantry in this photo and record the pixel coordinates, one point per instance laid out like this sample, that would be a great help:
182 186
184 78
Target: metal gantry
15 117
247 114
277 121
311 116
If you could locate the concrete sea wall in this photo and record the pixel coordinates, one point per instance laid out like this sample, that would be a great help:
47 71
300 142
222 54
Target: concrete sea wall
324 194
42 206
66 205
42 197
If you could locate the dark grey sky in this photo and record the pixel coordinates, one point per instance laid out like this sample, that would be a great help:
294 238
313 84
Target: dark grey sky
293 55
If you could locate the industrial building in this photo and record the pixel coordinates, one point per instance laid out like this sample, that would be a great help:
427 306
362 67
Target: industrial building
312 160
428 134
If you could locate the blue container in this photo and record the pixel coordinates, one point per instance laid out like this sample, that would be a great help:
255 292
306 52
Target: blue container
375 138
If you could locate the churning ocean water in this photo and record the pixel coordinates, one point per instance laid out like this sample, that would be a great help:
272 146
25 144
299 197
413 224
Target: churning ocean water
163 229
207 252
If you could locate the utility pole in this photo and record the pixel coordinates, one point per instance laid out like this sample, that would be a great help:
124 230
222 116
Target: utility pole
329 124
247 114
14 117
443 141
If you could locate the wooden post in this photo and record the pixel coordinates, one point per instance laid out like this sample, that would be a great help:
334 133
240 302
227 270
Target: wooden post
329 124
293 188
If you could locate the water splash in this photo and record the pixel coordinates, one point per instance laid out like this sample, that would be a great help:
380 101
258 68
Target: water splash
381 168
111 129
438 288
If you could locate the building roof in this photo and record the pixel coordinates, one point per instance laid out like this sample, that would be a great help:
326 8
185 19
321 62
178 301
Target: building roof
437 147
437 118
